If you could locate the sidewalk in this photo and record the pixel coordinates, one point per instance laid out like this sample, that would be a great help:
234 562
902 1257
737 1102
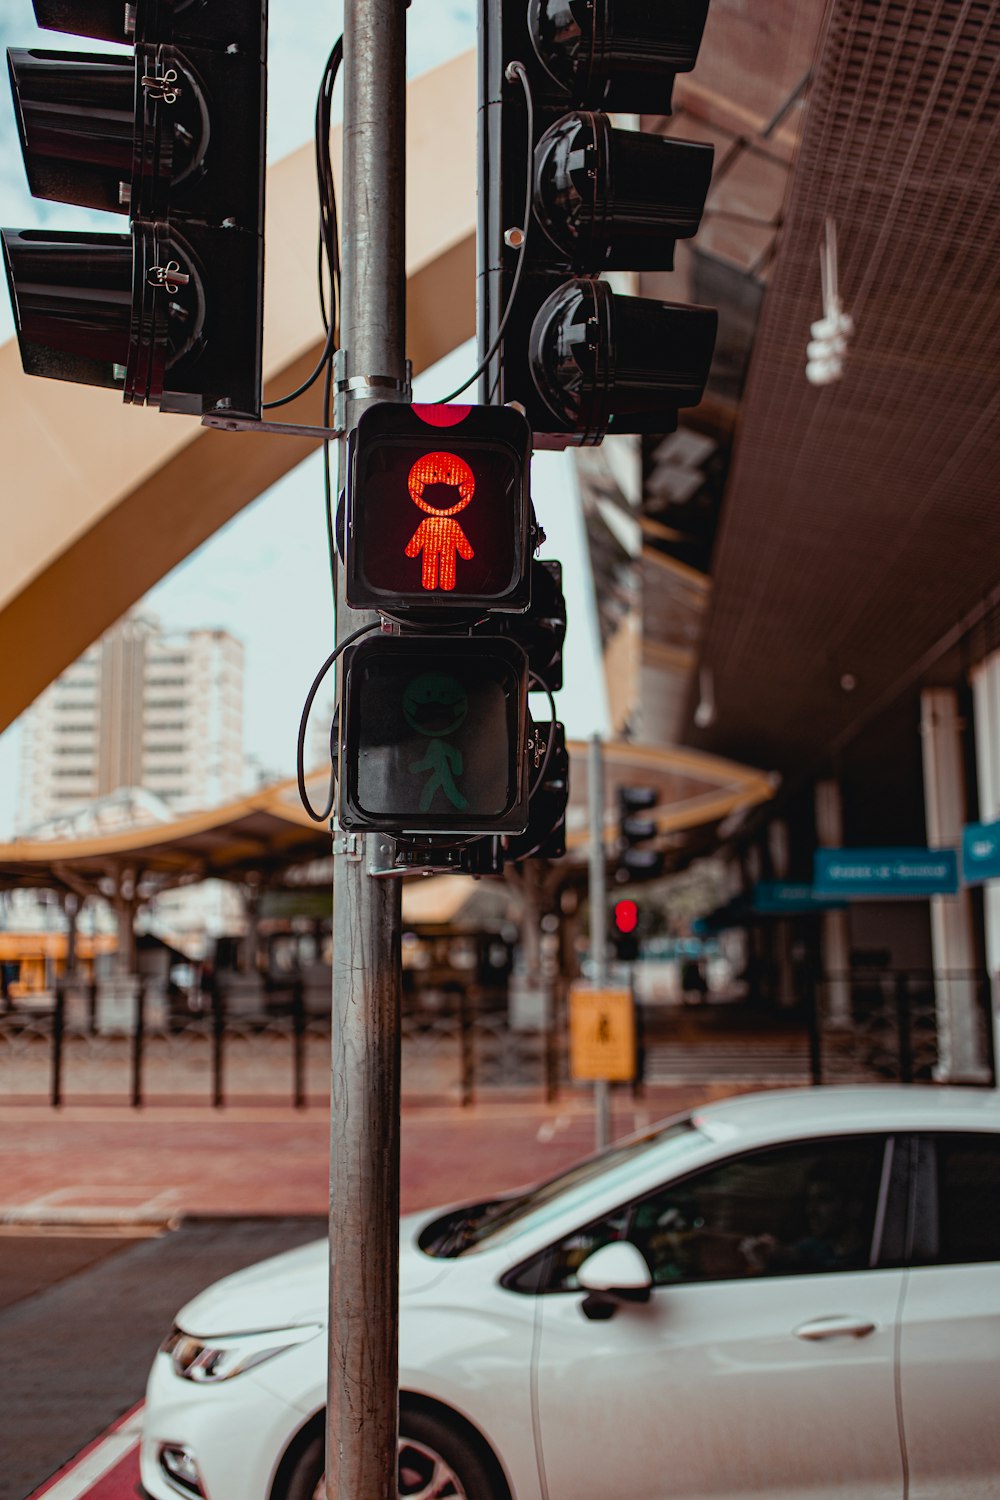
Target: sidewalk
110 1165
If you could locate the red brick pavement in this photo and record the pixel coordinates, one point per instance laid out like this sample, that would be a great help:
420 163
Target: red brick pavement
107 1163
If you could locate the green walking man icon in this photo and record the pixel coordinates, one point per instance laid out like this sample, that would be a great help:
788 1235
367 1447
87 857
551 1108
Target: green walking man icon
435 705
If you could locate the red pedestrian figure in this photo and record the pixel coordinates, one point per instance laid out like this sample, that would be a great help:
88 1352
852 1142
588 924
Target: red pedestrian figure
439 537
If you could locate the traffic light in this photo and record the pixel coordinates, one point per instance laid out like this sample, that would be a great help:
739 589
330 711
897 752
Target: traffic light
432 736
170 314
438 511
636 860
580 358
437 533
625 931
545 835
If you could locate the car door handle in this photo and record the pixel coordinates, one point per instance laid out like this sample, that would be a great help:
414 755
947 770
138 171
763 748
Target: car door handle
835 1328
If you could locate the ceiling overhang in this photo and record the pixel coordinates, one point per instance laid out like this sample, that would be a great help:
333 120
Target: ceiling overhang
861 520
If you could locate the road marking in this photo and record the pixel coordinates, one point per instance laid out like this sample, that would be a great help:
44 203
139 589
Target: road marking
159 1206
95 1461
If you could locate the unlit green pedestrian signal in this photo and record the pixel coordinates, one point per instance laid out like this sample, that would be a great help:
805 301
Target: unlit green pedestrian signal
432 732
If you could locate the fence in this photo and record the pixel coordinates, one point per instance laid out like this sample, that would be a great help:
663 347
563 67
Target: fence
864 1027
882 1025
72 1047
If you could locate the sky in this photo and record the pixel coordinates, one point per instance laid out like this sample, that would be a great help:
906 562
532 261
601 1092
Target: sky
265 575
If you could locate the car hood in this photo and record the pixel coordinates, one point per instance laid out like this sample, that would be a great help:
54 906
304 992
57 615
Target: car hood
290 1290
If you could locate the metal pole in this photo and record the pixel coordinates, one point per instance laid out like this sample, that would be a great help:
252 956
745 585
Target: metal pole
598 921
363 1370
138 1042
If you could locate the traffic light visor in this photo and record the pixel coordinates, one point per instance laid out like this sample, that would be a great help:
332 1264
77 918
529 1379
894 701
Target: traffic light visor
72 299
617 199
76 118
432 736
104 20
596 356
622 53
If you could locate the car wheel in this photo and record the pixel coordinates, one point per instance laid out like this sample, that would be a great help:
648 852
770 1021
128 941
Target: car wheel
436 1462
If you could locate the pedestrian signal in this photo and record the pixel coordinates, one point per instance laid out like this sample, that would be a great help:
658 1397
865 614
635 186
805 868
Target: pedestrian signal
432 736
438 512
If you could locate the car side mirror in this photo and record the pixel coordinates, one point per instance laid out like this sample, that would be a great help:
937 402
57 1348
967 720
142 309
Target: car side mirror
615 1273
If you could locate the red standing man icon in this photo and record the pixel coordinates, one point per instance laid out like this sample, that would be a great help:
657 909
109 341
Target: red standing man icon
439 537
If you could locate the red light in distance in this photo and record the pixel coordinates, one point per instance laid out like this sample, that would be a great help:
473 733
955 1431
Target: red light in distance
626 916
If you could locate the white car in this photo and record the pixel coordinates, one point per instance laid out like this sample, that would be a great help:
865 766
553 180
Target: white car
792 1293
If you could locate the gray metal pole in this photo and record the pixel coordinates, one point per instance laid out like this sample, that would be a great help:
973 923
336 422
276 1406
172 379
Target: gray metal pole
365 1095
598 920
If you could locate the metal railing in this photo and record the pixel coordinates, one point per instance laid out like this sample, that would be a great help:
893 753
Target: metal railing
276 1049
903 1026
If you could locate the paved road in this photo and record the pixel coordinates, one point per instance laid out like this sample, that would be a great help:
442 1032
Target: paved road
85 1317
90 1279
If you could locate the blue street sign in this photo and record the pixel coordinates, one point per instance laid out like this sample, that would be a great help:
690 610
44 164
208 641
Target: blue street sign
980 852
782 897
886 872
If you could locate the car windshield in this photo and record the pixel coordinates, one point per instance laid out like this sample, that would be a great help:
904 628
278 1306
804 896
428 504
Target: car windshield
477 1226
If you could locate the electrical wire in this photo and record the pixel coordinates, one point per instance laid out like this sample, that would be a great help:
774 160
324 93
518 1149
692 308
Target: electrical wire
304 724
519 71
329 242
544 688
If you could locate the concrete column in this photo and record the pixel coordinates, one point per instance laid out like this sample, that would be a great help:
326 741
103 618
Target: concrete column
960 1058
71 905
777 839
836 926
986 697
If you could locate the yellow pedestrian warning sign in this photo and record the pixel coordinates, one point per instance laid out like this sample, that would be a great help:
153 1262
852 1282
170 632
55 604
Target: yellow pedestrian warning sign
601 1035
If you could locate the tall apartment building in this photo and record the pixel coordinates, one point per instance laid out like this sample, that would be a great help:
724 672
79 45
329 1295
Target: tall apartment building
140 708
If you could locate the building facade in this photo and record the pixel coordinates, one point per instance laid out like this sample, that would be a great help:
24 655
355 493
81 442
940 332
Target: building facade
140 708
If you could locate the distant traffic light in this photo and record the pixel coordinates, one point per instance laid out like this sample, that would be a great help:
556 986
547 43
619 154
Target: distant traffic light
637 860
432 736
173 137
438 510
625 931
626 916
581 359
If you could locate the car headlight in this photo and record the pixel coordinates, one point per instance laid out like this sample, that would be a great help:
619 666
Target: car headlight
210 1360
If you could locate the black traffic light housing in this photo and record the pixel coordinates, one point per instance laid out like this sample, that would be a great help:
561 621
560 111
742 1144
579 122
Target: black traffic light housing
432 736
437 746
585 362
171 313
637 860
438 511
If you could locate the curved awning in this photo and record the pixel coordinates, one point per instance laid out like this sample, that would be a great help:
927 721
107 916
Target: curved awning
268 834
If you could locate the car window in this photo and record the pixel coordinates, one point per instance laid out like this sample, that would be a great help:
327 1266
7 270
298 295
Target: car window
473 1227
960 1200
784 1211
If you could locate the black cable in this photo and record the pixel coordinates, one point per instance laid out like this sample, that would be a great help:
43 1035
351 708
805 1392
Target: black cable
518 69
329 244
544 687
304 724
328 350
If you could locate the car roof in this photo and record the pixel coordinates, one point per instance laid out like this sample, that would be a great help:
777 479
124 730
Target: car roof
835 1108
